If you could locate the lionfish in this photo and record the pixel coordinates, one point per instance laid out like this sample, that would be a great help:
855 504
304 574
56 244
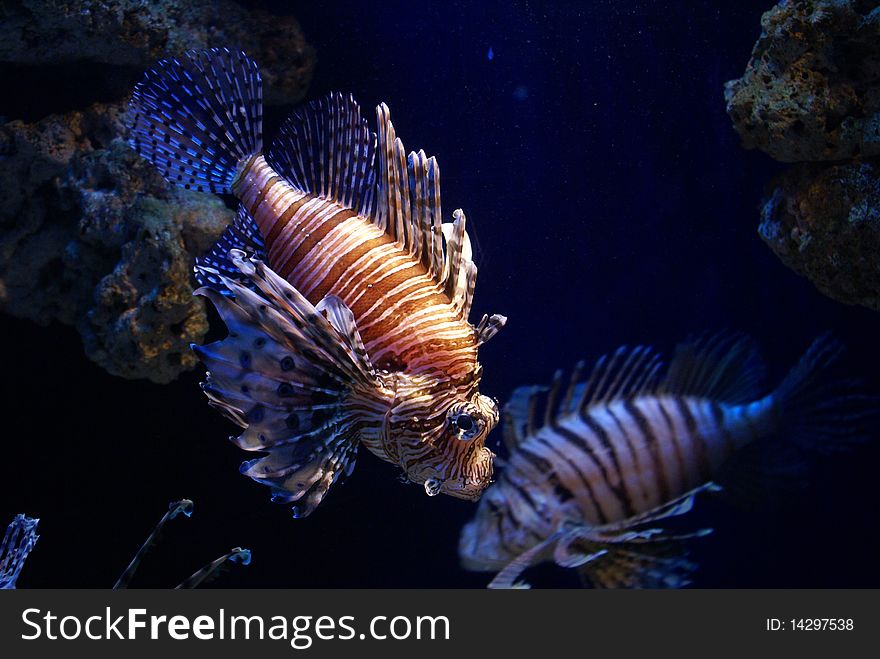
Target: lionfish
586 485
345 296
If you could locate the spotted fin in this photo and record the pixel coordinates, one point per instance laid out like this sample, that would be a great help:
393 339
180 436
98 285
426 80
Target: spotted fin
198 117
287 373
489 326
627 553
654 566
634 553
242 235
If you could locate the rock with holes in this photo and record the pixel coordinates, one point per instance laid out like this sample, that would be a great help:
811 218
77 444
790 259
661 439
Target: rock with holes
811 90
127 36
91 236
824 222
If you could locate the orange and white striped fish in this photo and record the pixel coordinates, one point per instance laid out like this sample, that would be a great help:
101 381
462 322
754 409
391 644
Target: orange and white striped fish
619 453
345 296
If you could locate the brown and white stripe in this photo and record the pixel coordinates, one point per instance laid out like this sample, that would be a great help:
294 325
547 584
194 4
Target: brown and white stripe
405 318
619 447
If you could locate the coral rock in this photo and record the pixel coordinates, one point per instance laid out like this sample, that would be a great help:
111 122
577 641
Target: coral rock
824 222
134 33
92 236
810 91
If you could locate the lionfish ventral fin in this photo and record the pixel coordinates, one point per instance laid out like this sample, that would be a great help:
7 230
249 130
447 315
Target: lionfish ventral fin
285 373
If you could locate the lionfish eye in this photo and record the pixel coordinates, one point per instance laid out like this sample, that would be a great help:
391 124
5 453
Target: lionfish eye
464 423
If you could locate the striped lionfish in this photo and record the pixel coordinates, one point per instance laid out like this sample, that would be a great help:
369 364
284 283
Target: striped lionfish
613 456
346 298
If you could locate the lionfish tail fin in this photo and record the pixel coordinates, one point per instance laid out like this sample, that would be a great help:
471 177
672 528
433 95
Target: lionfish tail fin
198 117
289 373
819 412
18 541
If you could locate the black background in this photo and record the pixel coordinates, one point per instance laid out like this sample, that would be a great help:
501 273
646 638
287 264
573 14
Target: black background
610 202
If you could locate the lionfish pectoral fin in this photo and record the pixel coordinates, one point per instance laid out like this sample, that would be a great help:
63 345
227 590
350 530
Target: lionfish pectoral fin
175 508
654 566
508 576
214 568
488 327
632 554
627 529
287 373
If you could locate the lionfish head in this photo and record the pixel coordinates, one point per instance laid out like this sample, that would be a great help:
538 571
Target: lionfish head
444 446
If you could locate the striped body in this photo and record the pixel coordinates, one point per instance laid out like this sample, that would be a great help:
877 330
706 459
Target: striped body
612 462
323 248
346 295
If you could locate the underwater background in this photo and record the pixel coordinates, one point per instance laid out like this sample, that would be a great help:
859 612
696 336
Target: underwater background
610 202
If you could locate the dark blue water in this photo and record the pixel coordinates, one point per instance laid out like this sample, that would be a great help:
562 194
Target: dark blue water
610 203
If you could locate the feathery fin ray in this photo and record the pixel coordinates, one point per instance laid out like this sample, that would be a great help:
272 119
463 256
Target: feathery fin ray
198 117
285 374
242 235
577 546
723 367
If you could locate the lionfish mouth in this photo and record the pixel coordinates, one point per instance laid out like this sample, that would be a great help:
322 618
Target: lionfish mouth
472 493
469 488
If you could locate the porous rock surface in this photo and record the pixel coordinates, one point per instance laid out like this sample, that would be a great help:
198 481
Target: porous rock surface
811 95
135 33
824 223
811 90
90 234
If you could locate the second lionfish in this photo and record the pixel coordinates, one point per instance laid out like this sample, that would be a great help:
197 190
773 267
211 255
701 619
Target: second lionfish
591 482
346 297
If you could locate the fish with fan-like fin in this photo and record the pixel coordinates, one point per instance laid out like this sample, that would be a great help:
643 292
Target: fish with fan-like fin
590 481
345 295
